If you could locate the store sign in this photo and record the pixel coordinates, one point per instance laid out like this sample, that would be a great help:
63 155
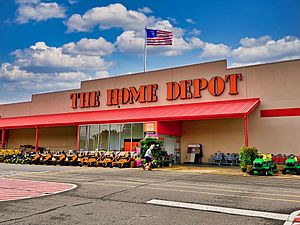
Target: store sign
150 127
185 89
85 99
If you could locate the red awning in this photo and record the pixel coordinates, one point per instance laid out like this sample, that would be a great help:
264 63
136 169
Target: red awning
195 111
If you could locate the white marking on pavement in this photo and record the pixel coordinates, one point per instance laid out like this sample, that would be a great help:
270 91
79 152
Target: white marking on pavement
232 211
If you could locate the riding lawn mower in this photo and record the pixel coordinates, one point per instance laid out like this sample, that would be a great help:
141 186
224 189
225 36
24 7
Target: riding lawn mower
291 165
263 165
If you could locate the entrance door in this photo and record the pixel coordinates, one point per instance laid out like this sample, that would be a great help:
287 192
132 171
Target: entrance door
170 145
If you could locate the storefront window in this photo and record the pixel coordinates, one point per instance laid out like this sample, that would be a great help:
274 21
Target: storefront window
82 138
125 136
114 143
104 137
137 133
110 137
93 142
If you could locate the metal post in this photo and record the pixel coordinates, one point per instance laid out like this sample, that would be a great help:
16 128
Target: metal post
145 50
3 138
36 139
77 138
246 131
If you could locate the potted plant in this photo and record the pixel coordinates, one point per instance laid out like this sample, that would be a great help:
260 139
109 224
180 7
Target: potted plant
247 156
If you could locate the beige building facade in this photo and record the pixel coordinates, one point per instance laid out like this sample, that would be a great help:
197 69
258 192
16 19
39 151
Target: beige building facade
273 126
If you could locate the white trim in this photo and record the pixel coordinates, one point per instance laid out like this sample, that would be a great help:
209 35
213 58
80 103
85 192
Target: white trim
232 211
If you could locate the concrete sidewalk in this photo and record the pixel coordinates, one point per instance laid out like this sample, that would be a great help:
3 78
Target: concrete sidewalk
205 169
226 170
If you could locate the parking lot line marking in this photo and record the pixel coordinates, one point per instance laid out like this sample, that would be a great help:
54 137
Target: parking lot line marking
219 194
232 211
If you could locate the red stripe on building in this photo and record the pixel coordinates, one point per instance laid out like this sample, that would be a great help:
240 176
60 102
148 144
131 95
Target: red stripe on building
280 112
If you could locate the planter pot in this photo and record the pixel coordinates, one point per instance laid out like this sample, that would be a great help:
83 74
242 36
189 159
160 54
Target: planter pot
244 170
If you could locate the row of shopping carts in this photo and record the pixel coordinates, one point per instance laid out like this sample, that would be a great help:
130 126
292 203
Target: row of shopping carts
220 158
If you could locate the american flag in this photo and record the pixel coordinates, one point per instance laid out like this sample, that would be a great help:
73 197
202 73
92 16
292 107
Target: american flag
158 37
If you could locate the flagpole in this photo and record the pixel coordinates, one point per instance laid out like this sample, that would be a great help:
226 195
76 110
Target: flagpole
145 50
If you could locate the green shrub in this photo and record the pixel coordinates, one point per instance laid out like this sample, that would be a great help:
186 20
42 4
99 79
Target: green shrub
247 156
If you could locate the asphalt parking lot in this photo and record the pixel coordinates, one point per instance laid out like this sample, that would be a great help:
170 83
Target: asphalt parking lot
125 196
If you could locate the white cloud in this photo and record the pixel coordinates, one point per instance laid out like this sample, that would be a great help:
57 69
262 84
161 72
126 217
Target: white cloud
16 79
72 2
42 58
211 51
13 72
145 10
285 48
254 50
41 68
129 42
101 74
252 42
194 32
38 11
189 20
91 47
132 40
106 17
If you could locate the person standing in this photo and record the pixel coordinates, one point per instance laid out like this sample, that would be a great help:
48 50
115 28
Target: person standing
148 158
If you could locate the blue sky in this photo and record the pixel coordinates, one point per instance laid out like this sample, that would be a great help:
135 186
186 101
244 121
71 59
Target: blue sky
50 45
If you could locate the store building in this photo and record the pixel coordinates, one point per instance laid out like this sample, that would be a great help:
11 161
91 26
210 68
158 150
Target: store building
209 104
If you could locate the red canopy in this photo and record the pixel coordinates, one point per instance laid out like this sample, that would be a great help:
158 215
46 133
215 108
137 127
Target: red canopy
195 111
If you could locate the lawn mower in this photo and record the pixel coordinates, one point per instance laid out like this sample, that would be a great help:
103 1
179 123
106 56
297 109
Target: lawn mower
84 158
25 158
291 165
46 158
101 159
108 159
9 156
59 158
263 165
2 157
123 160
81 158
92 159
72 158
35 158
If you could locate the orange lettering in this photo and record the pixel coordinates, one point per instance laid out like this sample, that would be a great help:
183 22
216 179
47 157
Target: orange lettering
216 86
233 78
137 95
112 97
151 92
74 96
173 90
199 85
186 89
124 95
94 100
